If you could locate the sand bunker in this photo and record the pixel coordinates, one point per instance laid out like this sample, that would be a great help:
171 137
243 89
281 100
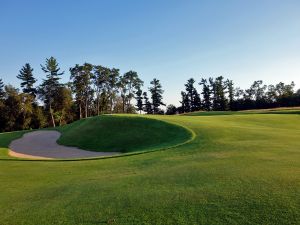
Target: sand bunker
42 145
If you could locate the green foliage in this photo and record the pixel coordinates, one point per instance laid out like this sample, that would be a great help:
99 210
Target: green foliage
129 84
49 88
81 77
38 119
17 110
139 100
156 95
206 93
147 104
171 110
190 99
28 80
2 92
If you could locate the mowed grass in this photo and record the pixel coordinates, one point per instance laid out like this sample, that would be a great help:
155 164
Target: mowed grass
240 169
5 139
122 134
290 110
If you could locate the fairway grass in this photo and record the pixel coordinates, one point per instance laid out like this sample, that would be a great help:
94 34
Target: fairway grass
281 110
239 169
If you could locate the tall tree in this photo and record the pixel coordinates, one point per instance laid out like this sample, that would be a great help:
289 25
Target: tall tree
230 87
26 76
100 79
63 104
81 79
2 92
189 87
206 93
147 104
185 102
156 95
2 107
86 73
213 93
219 87
192 96
196 101
112 86
132 84
50 85
77 86
139 100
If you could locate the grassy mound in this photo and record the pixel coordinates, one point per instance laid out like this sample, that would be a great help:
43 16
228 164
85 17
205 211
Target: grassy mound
122 134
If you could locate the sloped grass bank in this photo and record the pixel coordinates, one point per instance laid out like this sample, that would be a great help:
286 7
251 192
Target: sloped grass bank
5 139
122 134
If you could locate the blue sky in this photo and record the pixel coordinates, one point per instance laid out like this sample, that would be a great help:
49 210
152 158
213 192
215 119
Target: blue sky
170 40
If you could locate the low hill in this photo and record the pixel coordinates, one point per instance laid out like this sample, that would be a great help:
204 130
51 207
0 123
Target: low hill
122 134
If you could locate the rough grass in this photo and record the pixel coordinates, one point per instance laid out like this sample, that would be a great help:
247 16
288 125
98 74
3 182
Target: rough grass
122 134
240 169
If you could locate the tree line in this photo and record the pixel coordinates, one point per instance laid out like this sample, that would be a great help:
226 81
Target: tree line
91 90
95 89
220 94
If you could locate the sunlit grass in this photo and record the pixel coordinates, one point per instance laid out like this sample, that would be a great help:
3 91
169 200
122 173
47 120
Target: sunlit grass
240 169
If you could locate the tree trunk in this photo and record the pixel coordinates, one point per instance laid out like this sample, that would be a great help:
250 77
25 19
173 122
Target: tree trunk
123 104
111 105
86 108
80 113
52 117
98 105
129 104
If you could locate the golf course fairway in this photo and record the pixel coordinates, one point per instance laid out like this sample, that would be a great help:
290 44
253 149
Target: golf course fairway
238 169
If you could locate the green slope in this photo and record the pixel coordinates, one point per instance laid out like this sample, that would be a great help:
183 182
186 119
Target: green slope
122 134
240 169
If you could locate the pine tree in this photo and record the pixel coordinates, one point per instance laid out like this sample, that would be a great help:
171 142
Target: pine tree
100 80
196 101
212 91
147 104
220 101
185 102
26 76
156 95
229 84
191 97
112 86
132 83
50 85
139 100
2 92
206 94
189 87
2 107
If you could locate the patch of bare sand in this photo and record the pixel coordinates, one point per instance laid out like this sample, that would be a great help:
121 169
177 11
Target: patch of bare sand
42 145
